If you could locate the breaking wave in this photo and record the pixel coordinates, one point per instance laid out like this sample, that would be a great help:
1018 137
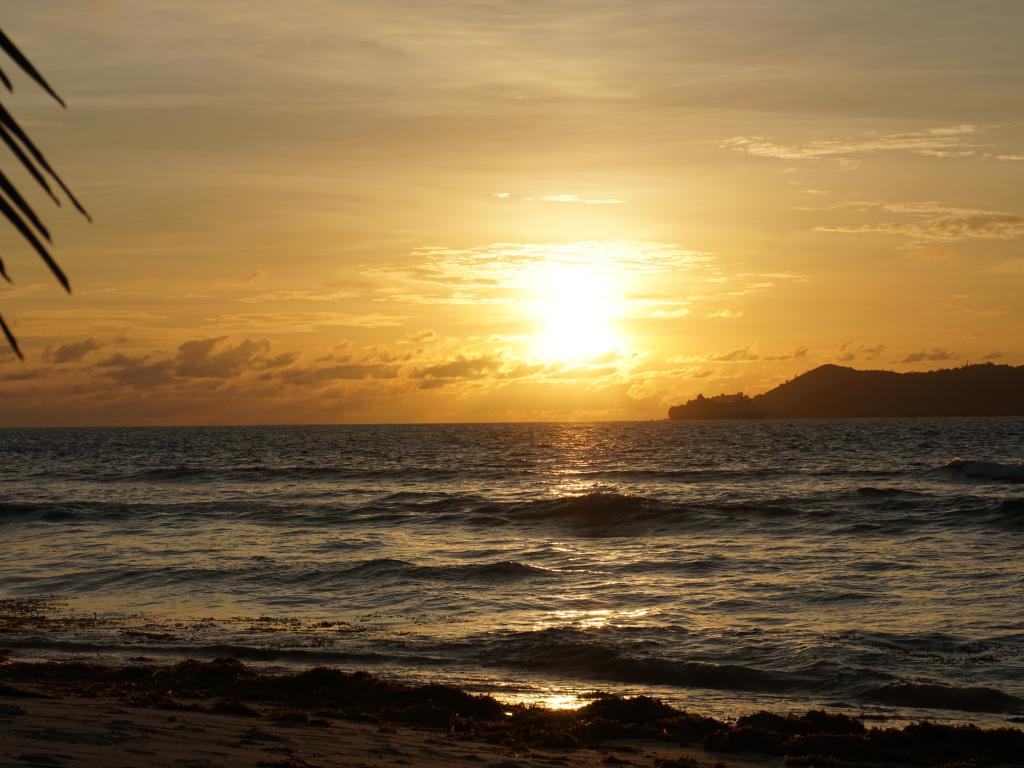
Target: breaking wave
936 696
985 470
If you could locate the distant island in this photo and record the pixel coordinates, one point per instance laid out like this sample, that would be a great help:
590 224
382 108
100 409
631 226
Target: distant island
836 392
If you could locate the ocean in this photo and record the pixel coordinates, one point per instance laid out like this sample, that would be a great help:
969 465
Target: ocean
871 566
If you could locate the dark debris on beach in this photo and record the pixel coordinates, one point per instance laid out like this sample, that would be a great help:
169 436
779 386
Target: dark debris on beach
314 696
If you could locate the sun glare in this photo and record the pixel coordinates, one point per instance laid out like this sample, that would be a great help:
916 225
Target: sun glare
575 307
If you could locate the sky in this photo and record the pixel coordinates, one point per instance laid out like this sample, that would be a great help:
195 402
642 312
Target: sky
328 211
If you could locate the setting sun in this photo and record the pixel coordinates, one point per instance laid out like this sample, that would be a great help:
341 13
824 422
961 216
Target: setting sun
575 306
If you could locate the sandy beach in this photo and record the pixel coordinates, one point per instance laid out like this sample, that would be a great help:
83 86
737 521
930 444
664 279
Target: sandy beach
102 731
222 713
80 721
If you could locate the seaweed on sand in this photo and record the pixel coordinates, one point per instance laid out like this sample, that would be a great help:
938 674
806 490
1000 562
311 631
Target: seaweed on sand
227 685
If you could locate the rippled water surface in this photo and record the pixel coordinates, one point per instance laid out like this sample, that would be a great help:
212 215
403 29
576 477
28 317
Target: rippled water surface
723 566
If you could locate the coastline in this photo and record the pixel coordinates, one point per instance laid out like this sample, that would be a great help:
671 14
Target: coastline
223 712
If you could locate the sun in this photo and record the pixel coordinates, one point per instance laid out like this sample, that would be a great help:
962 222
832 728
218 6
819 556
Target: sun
574 306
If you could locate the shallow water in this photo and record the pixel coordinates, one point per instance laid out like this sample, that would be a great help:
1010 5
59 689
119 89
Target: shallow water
723 566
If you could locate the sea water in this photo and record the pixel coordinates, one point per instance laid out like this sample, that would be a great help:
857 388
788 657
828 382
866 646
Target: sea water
873 566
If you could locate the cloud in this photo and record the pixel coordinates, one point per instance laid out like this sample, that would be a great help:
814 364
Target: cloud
420 337
281 360
796 354
502 273
137 371
848 352
301 321
994 356
499 263
303 295
934 355
26 375
461 368
952 141
196 359
937 223
72 352
726 313
207 358
55 322
1010 267
580 200
742 355
679 311
315 378
749 354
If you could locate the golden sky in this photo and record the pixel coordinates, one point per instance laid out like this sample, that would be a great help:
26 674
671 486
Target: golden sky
453 210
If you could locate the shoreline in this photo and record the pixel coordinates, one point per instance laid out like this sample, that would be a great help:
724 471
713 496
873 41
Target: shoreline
326 713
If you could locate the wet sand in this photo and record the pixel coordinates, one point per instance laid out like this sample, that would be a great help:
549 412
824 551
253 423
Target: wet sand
77 731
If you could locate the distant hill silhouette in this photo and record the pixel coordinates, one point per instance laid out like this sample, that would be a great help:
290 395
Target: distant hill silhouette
833 391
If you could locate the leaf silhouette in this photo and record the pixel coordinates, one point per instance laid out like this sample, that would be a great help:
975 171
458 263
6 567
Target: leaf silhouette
10 338
12 192
12 216
26 162
26 66
13 205
9 123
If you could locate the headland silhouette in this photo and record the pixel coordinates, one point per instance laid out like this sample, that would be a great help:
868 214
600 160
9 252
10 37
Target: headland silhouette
834 392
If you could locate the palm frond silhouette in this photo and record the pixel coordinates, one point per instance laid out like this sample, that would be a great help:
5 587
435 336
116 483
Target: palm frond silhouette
13 205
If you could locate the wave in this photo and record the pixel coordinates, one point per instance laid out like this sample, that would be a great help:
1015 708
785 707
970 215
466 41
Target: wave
56 511
985 470
61 512
697 565
936 696
262 575
695 473
870 491
866 510
611 655
256 473
1014 507
501 571
315 656
597 506
580 653
594 514
265 473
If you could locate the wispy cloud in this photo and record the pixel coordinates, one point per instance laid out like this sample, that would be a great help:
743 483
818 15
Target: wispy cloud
501 273
299 295
1009 267
72 352
748 353
950 141
209 358
933 355
580 200
301 321
421 337
935 222
849 352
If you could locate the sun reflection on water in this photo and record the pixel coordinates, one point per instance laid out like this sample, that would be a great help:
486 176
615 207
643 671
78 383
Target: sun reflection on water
599 618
